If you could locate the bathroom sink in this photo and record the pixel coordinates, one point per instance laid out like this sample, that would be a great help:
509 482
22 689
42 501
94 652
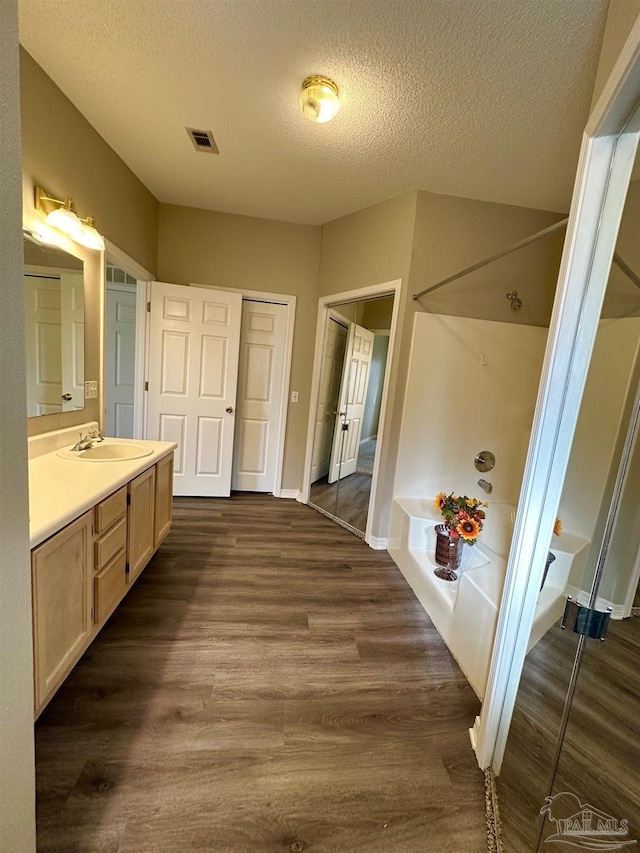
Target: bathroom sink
107 451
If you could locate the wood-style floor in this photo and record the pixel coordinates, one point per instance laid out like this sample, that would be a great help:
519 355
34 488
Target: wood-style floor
270 684
352 503
600 761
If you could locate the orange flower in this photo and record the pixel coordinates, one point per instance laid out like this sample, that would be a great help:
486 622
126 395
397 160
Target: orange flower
439 501
468 528
557 527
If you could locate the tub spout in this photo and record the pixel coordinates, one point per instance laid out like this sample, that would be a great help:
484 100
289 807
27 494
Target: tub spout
488 487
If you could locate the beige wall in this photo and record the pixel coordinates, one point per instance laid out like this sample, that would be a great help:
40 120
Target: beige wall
454 233
366 248
17 777
621 17
63 153
205 247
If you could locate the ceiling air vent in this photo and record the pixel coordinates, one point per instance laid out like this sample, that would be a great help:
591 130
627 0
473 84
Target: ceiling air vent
203 140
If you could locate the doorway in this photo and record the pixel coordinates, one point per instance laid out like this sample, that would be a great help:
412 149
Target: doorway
119 352
352 360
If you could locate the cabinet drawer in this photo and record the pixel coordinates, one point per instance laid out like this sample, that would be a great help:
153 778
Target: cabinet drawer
109 587
111 543
110 510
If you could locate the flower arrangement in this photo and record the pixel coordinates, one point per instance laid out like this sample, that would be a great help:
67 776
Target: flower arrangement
463 516
557 527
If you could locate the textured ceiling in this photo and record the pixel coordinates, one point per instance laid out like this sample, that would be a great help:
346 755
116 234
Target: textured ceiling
479 98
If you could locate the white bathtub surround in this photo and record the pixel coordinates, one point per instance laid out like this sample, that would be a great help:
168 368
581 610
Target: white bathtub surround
60 490
471 386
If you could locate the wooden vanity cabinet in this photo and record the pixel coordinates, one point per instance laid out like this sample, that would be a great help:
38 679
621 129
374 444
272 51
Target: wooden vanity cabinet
141 522
61 576
81 573
164 498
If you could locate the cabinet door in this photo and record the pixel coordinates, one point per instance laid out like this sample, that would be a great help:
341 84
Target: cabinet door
141 527
164 497
62 588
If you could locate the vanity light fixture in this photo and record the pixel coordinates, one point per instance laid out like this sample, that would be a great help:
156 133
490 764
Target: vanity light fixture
319 99
62 215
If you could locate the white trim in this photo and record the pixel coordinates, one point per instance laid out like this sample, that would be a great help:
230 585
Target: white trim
378 544
325 303
632 589
604 170
117 257
293 494
290 301
584 598
126 263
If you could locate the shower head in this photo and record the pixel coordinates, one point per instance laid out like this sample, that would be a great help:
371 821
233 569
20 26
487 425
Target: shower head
516 302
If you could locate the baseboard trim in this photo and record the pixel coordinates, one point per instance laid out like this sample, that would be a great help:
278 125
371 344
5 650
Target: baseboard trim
617 610
377 543
291 494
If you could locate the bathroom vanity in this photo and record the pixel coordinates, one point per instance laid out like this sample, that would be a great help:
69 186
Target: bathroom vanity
95 523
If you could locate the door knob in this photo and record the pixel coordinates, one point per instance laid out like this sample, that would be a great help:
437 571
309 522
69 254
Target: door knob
67 397
229 410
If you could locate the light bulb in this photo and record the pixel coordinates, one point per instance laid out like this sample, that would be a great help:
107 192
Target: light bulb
319 99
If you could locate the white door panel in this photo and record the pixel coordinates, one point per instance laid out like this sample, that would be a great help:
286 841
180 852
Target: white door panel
120 362
353 395
193 370
260 389
72 339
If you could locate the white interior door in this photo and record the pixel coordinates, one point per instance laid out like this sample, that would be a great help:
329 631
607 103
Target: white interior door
193 372
335 342
353 396
120 362
260 390
44 363
72 340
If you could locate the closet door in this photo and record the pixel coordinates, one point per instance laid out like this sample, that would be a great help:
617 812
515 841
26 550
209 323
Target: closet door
260 396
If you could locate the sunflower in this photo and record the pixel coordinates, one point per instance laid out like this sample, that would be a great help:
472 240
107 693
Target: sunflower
472 502
440 501
557 527
468 528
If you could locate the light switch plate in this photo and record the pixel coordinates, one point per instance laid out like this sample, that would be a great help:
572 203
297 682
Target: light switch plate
90 390
294 396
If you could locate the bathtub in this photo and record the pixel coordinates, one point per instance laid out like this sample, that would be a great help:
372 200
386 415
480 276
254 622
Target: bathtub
465 611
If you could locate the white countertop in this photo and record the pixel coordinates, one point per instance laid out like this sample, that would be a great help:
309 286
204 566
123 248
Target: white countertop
61 490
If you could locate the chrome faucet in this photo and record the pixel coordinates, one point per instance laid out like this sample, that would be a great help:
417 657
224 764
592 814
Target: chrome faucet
484 484
85 442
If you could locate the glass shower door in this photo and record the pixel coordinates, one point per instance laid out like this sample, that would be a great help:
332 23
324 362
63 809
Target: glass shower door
594 801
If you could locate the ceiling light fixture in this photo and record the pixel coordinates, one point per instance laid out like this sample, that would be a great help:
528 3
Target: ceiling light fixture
62 215
319 99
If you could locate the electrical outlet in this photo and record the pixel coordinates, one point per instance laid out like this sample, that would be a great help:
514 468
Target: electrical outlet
294 396
90 390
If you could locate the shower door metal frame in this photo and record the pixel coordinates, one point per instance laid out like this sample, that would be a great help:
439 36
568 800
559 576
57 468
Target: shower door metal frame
609 145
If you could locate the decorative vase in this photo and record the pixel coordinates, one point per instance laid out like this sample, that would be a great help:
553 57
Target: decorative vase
448 553
550 558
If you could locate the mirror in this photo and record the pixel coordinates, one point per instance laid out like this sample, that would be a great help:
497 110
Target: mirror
54 320
355 349
574 734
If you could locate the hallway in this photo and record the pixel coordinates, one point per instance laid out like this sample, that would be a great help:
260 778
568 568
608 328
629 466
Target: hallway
270 684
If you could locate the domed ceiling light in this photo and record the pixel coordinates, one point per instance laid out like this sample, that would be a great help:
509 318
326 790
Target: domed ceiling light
319 99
